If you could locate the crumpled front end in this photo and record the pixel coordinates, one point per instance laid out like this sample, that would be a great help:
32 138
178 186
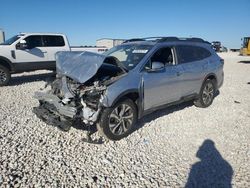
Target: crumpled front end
64 104
74 97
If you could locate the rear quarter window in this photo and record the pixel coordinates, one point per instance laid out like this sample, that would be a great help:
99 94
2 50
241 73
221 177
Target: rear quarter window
186 53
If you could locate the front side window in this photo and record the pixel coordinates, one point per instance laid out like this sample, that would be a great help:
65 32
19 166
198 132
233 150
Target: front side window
129 55
34 41
163 55
53 41
188 54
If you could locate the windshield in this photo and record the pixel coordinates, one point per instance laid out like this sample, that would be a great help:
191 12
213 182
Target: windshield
129 55
11 40
245 42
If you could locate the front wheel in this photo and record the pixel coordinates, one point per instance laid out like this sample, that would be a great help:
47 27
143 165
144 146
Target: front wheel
118 121
4 76
206 95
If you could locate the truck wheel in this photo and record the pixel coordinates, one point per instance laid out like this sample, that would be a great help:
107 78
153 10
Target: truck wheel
206 96
4 75
118 121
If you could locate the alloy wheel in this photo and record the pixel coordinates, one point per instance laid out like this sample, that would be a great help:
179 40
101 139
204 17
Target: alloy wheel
121 119
208 93
3 76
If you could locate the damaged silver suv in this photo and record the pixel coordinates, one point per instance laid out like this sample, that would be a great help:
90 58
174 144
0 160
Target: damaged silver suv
115 89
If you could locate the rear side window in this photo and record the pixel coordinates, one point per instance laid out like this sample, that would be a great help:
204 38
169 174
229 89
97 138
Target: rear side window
34 41
188 54
52 41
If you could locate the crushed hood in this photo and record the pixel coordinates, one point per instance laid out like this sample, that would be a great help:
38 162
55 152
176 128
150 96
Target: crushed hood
80 66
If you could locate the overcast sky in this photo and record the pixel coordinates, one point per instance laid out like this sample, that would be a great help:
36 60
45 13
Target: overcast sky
85 21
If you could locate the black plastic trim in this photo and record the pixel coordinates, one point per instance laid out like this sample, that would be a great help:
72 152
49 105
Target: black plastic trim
32 66
121 95
183 99
5 60
211 74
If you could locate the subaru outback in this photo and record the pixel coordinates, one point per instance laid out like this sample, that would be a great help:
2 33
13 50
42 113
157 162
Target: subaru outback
115 89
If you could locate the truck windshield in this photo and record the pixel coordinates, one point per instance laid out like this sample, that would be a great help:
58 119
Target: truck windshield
129 55
11 40
245 42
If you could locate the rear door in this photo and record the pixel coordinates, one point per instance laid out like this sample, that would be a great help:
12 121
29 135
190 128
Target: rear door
54 44
194 62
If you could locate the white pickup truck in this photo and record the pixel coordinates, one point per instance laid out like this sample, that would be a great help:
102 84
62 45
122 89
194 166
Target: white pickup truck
33 51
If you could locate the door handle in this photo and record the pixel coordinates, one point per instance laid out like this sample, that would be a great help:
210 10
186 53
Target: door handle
44 52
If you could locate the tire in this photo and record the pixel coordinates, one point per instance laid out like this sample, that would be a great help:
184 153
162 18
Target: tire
4 76
206 95
119 121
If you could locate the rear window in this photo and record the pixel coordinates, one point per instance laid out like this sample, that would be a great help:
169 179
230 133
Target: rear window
188 54
50 41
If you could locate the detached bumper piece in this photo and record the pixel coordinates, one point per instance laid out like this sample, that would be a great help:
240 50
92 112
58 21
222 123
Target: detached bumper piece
52 112
56 104
45 113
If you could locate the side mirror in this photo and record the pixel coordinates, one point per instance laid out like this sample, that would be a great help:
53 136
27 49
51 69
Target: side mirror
22 45
157 66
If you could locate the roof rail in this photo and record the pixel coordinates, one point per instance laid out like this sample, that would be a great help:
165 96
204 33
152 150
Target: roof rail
167 39
193 39
198 40
133 40
143 39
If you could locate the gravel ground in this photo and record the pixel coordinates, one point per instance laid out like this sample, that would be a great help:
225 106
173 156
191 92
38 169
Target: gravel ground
178 146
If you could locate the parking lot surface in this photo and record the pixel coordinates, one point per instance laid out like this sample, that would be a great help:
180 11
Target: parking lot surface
174 147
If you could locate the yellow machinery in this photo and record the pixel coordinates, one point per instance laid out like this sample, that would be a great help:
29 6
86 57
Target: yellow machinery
245 50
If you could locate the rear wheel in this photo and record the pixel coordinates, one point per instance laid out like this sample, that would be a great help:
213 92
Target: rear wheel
206 95
118 121
4 75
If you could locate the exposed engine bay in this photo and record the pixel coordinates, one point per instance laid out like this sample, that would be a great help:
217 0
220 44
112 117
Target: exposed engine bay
77 97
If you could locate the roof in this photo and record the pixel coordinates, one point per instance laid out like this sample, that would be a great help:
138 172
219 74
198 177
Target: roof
41 33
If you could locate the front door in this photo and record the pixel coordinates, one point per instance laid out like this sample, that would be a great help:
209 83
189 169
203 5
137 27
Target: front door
34 57
163 86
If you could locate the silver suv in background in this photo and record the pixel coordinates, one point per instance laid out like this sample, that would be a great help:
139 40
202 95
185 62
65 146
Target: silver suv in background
115 89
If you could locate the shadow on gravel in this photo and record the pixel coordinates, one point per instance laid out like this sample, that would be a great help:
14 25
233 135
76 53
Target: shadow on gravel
246 62
18 80
163 112
212 170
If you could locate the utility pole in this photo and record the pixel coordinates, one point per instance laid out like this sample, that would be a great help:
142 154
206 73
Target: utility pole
2 36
